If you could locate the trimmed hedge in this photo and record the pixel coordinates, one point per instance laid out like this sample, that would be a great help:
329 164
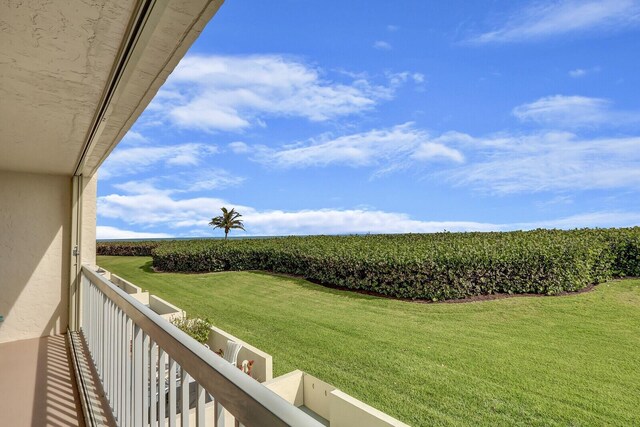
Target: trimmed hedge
120 248
425 266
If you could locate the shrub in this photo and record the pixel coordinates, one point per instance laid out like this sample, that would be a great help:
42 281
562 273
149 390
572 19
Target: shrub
425 266
197 328
120 248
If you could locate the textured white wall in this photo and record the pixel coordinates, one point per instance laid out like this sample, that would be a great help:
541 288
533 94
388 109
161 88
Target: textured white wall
35 220
89 195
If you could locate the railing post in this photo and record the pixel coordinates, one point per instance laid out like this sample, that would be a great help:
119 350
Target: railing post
162 388
153 384
172 392
146 387
128 419
184 399
200 405
137 376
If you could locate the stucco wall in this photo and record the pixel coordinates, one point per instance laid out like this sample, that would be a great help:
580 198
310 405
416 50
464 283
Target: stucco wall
88 243
35 221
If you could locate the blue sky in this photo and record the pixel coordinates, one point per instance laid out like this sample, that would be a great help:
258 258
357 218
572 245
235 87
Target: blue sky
322 117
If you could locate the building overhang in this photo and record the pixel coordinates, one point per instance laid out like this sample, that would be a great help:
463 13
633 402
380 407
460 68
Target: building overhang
74 76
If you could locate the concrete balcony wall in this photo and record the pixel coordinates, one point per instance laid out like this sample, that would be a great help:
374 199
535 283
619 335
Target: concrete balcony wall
35 221
262 362
125 285
164 308
327 404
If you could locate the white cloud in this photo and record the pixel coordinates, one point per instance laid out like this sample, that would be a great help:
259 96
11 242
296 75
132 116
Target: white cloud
418 77
191 216
581 72
398 79
555 18
239 147
549 161
126 161
134 137
232 93
158 207
601 219
432 150
574 112
141 187
387 148
210 179
558 200
392 28
578 72
183 182
337 221
107 232
382 45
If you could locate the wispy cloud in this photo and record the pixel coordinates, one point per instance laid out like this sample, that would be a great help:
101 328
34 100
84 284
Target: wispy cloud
210 179
602 219
127 161
239 147
582 72
382 45
575 112
191 181
555 18
548 161
232 93
398 79
392 28
108 232
433 150
156 209
383 148
578 72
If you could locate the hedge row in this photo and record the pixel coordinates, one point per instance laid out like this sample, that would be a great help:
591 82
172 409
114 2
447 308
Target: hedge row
425 266
120 248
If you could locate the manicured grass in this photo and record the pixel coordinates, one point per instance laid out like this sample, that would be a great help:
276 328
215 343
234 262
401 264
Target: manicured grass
570 360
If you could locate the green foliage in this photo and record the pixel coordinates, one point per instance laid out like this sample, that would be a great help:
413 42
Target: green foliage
566 361
426 266
229 220
121 248
197 328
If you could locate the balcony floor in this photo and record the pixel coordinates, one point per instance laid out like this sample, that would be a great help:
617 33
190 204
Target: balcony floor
37 384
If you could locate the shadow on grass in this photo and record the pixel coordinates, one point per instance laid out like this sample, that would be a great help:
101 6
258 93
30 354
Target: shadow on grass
147 267
316 287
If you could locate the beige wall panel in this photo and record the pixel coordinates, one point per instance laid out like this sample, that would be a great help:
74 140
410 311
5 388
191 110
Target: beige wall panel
89 196
35 213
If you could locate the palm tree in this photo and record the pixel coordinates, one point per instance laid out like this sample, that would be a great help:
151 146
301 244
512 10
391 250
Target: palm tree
227 221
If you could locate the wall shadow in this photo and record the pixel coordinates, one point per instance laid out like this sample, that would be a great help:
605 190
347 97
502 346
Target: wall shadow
35 220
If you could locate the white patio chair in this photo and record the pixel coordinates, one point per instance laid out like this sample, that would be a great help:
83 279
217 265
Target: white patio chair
231 353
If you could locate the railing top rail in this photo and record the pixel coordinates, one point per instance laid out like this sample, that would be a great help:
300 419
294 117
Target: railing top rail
249 401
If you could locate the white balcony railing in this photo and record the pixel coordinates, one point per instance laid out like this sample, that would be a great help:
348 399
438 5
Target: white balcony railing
152 373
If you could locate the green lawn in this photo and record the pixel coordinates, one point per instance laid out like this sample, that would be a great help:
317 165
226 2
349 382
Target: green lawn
571 360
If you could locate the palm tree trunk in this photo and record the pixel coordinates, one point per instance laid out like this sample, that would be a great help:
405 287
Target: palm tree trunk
226 232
